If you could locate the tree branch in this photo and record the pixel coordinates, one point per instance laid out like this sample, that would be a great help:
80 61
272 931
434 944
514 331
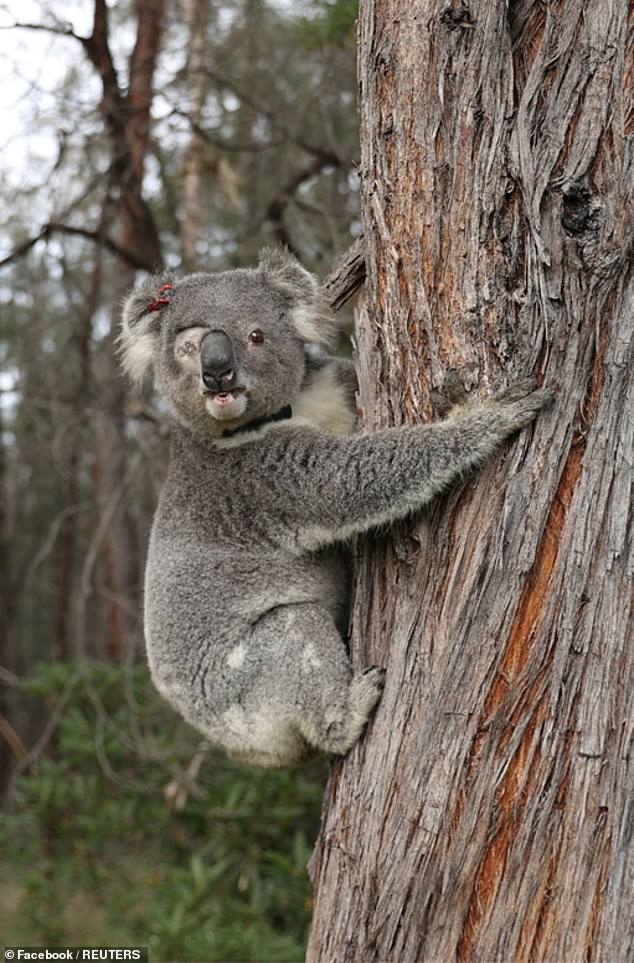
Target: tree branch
204 134
276 210
274 121
61 29
133 258
100 56
8 733
347 277
127 117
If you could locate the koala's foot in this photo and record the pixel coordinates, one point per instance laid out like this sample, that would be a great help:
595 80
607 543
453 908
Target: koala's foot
364 692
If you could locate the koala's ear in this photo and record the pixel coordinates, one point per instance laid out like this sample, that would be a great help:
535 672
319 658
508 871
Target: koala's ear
140 325
311 313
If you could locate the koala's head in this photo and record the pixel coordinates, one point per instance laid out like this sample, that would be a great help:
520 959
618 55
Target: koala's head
227 348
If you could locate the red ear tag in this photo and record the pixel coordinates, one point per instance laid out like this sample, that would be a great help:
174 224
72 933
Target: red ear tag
159 302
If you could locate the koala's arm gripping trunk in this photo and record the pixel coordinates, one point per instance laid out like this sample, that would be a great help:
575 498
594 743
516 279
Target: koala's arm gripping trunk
329 489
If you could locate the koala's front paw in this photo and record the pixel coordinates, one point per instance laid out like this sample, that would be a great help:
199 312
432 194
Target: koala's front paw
521 403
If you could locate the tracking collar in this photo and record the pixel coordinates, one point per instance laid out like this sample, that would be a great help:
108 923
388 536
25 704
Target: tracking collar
280 415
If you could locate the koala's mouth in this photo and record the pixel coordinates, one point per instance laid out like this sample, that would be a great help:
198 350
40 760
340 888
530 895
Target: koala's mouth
226 404
224 397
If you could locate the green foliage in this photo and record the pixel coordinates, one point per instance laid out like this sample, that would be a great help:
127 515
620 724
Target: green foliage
93 852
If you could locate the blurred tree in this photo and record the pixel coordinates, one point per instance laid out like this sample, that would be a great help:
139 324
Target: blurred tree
197 13
488 813
6 729
187 133
127 120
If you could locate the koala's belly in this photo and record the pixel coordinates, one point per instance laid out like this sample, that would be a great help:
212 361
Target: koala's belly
212 594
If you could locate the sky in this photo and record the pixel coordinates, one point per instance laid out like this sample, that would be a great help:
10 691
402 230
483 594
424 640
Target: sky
30 59
32 64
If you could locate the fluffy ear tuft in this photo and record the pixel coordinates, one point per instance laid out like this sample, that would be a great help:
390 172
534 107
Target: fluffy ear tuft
140 326
311 313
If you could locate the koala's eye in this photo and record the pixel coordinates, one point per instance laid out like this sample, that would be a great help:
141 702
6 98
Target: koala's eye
256 336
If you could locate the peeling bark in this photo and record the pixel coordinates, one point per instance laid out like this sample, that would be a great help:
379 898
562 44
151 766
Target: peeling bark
347 276
488 815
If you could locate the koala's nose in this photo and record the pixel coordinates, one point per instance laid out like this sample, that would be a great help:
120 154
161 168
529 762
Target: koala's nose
217 363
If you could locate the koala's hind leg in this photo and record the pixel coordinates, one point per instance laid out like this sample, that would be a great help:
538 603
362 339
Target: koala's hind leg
308 664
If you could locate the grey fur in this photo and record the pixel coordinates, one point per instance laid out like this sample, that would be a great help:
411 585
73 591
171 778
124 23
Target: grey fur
245 588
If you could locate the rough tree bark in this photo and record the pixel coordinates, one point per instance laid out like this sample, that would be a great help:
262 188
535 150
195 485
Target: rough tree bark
488 814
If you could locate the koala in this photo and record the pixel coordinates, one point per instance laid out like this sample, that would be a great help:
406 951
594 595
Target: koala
245 589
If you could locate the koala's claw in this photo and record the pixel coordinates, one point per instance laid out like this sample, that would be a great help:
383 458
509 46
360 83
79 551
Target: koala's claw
521 412
454 388
376 674
517 391
543 397
535 401
366 689
520 403
451 394
441 406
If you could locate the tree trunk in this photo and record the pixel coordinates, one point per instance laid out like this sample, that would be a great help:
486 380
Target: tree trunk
6 616
128 120
197 16
488 814
74 456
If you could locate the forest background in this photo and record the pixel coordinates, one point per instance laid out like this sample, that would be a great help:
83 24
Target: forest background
185 133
